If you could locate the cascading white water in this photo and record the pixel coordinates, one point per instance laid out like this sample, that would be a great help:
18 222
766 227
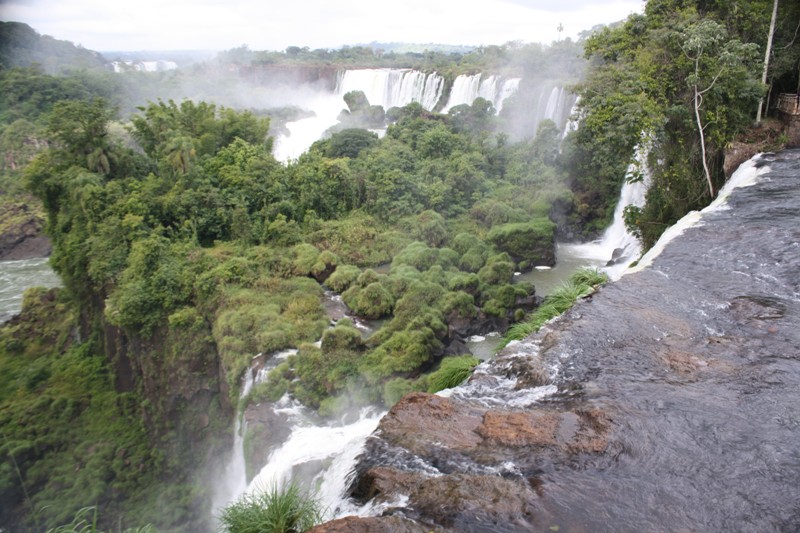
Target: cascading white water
391 87
617 247
234 478
384 87
467 87
318 454
747 174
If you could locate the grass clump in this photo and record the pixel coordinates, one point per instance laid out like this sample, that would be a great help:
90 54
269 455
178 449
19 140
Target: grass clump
580 284
284 509
452 372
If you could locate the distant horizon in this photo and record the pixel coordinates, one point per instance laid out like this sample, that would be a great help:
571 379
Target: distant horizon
217 25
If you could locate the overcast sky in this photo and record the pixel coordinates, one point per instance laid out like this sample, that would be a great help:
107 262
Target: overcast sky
107 25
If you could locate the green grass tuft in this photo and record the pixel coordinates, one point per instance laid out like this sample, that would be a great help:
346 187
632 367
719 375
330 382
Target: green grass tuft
582 283
452 372
284 509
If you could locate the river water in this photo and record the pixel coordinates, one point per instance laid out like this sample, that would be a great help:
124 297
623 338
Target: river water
16 276
673 394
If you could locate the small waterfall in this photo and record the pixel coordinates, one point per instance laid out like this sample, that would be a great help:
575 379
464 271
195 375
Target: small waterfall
617 248
318 454
234 478
746 175
467 87
510 86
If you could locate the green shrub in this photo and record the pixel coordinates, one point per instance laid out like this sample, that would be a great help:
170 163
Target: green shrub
588 276
430 228
452 372
394 389
497 271
85 521
343 277
532 241
284 509
418 255
473 260
371 302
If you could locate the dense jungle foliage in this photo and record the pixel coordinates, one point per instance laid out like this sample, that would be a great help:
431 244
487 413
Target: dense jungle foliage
185 248
660 80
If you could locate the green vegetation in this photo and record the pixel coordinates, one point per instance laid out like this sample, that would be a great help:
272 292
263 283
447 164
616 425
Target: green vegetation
68 437
580 285
284 509
452 372
85 521
683 78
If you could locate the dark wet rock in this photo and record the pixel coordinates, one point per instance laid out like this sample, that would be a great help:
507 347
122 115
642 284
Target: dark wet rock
465 327
22 234
476 503
456 347
265 429
380 524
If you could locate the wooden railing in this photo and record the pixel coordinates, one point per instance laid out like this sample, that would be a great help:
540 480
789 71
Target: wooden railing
789 104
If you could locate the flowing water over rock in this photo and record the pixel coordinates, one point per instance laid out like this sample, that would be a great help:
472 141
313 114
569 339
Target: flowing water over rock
16 276
668 401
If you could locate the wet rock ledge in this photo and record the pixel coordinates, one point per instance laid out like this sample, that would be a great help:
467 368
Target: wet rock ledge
668 401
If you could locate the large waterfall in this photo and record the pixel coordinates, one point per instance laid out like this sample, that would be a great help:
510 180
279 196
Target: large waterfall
391 87
467 87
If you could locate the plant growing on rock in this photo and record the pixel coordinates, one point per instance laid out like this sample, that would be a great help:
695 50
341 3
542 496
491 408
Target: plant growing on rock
278 509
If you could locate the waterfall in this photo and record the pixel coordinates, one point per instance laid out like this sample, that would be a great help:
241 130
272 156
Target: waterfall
617 248
234 478
467 87
318 454
388 87
746 175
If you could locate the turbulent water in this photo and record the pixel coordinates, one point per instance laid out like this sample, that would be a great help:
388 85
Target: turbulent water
673 394
16 276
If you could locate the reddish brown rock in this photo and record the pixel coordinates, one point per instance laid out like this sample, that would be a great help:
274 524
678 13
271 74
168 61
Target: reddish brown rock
420 421
519 429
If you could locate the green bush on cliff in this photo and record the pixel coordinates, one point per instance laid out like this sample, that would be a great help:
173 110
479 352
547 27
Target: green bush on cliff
370 302
277 509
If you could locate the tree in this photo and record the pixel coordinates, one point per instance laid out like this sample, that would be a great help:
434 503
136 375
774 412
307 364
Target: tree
715 60
766 56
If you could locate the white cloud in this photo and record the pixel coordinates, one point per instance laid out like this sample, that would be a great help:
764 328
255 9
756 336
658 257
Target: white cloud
217 24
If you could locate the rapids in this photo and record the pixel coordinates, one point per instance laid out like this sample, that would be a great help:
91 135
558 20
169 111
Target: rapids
668 401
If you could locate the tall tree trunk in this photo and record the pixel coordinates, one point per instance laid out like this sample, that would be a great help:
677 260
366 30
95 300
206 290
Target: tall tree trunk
698 102
766 57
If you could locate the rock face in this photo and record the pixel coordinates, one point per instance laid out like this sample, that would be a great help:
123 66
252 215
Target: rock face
21 236
666 402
